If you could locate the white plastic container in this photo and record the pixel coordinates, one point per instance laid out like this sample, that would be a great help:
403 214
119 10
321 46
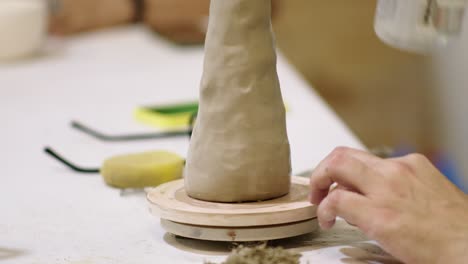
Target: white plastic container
418 25
23 27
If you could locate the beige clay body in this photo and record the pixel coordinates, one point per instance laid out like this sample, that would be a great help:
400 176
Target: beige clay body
239 149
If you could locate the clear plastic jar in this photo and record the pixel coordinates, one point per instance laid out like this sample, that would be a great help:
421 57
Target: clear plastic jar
418 25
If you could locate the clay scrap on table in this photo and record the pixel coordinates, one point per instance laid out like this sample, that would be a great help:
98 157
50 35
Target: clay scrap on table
239 149
260 255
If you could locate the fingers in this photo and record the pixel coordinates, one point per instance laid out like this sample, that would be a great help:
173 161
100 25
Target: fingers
349 168
353 171
362 155
351 206
413 161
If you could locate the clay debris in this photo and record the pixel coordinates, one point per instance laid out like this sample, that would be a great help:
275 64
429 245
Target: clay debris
261 255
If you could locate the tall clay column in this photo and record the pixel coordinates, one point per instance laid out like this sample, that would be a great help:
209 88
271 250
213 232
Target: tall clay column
239 149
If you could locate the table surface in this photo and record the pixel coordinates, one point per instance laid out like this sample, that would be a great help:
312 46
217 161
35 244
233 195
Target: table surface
50 214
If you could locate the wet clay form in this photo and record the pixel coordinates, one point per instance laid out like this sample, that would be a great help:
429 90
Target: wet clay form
237 184
239 150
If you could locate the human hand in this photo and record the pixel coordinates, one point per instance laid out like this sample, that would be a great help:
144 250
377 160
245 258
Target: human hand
404 203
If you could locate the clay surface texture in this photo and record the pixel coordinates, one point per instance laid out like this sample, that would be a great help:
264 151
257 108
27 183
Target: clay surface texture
239 149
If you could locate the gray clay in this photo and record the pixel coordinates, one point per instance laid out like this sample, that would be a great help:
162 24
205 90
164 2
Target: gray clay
239 149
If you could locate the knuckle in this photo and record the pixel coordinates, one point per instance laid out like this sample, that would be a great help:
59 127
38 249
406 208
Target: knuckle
337 157
340 150
409 164
401 168
416 159
396 177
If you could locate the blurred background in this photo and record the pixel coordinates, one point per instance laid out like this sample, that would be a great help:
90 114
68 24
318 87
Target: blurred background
389 98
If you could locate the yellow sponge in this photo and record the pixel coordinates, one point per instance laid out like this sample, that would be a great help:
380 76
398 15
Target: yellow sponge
142 170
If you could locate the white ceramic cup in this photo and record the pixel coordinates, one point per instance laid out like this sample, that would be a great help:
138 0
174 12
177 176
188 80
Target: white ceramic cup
23 28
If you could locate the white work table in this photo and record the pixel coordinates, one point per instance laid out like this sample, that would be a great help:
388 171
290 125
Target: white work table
50 214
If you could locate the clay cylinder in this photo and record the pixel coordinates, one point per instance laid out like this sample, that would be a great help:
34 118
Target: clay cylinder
239 149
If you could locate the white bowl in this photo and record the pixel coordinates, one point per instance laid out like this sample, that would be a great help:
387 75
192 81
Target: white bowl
23 27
